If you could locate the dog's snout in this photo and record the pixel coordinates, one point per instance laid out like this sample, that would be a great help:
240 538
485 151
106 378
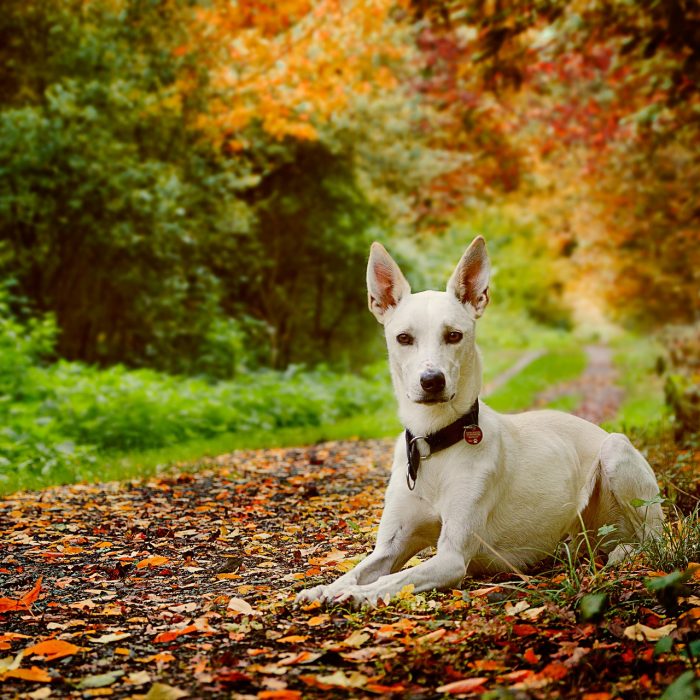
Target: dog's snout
432 381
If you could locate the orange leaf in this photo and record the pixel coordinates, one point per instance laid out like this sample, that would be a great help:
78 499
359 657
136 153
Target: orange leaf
174 634
467 685
29 598
25 601
524 630
530 656
52 649
36 674
555 670
317 620
279 695
293 638
155 560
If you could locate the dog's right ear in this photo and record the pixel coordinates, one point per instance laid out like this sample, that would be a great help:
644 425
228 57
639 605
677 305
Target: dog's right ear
386 285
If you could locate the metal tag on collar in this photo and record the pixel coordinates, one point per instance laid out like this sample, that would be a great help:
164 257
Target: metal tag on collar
473 434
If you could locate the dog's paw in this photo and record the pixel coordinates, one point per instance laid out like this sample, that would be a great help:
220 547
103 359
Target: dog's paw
309 595
361 596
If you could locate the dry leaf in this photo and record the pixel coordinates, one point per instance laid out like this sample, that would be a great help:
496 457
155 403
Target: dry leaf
160 691
52 649
241 606
34 674
642 633
155 560
467 685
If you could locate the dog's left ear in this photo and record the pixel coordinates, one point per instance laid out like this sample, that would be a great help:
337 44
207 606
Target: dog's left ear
470 280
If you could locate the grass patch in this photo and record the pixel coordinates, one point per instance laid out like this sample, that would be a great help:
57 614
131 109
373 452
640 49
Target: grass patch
556 366
643 408
189 455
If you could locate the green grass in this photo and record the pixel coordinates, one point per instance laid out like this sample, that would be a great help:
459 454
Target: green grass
189 455
643 408
556 366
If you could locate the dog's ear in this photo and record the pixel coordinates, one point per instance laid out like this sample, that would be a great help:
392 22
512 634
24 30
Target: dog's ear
470 280
386 285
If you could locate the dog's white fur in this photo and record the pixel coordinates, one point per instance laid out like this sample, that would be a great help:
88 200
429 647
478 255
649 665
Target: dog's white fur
535 478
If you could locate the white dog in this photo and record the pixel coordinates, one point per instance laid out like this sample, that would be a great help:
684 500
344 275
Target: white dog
494 492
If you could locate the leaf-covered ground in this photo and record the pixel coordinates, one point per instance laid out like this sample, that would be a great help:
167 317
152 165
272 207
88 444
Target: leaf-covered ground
185 584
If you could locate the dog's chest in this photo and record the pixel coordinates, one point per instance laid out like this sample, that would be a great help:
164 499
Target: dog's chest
455 473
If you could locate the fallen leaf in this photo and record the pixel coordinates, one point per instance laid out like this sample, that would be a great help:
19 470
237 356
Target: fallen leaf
114 637
338 678
40 693
174 634
304 657
24 602
241 606
161 691
642 633
52 649
293 639
467 685
530 656
155 560
139 678
35 674
355 640
100 680
279 695
318 620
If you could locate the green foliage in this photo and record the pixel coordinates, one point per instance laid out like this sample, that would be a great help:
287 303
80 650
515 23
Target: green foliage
143 237
524 272
56 419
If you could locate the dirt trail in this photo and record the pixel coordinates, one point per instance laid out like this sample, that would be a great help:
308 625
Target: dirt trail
601 396
526 359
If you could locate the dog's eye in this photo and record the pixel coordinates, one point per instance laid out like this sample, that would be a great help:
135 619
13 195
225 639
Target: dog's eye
453 337
404 339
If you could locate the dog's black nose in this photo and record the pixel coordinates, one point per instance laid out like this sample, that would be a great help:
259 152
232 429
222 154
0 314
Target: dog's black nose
432 381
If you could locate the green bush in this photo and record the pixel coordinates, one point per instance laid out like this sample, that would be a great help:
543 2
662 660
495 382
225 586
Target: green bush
58 419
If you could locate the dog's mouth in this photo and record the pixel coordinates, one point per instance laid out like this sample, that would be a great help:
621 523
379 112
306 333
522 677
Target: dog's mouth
432 400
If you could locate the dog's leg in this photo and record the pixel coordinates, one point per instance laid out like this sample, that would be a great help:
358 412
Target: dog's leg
456 547
407 526
629 477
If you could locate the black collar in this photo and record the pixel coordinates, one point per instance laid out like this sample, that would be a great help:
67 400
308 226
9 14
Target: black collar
465 428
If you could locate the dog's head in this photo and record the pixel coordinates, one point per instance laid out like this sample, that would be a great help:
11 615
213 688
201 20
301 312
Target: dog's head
430 335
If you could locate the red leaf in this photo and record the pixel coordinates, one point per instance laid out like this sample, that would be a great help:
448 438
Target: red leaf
524 630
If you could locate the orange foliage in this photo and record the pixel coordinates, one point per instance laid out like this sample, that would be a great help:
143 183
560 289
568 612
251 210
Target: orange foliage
291 66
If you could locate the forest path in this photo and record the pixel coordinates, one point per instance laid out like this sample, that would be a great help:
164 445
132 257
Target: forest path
599 395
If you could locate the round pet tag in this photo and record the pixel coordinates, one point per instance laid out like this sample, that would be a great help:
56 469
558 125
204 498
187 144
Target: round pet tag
473 434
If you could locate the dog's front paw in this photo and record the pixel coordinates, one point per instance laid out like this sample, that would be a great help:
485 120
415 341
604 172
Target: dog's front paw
309 595
359 596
